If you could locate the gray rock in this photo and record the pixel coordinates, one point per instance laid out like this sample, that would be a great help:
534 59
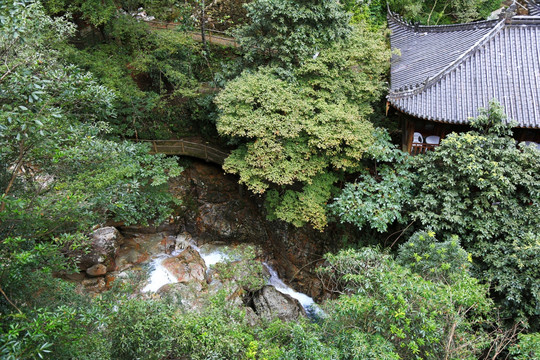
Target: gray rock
104 243
251 318
186 295
270 303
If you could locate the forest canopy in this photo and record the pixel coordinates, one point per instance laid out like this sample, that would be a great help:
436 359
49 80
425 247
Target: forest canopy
414 257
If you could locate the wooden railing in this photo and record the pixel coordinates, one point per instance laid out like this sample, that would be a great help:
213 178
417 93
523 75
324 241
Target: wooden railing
188 148
418 148
212 36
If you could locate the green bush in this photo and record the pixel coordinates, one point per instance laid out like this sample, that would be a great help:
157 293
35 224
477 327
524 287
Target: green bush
419 318
142 329
433 260
217 332
528 347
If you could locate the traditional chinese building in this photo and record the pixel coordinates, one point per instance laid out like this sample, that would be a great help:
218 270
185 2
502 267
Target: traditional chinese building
442 74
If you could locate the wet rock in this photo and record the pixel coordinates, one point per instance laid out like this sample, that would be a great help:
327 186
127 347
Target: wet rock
97 270
270 304
104 243
187 266
182 241
140 247
95 285
186 295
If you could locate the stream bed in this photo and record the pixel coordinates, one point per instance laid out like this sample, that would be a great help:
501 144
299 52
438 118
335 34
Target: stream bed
211 254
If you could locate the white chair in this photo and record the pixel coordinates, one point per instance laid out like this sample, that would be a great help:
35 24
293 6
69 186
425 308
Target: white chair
433 140
418 138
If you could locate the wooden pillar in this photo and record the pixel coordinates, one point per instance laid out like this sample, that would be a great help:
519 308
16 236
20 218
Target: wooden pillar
407 135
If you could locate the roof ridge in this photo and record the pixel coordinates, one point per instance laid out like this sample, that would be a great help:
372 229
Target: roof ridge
416 27
524 20
419 87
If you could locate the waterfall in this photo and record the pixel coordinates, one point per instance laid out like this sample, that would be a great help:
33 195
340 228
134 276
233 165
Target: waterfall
159 275
309 305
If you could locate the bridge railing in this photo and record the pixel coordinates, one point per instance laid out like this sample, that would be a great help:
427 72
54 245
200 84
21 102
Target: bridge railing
187 148
212 36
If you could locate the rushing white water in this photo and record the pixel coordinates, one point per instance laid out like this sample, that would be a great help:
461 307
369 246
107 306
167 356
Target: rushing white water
159 275
309 305
211 256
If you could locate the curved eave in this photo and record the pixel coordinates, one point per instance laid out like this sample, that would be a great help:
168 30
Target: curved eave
423 116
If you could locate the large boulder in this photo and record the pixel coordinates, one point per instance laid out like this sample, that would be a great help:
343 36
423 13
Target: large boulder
186 295
187 266
97 270
104 243
269 303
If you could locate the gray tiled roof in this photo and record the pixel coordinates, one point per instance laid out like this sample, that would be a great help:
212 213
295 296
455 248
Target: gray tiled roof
445 73
534 7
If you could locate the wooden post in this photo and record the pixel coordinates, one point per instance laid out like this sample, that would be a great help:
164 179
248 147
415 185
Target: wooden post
407 135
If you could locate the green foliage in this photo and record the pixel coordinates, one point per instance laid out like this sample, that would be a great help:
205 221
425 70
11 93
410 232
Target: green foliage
433 260
64 332
295 341
528 347
289 32
419 318
154 75
371 12
58 174
444 12
96 12
296 131
241 268
219 332
44 318
307 205
141 329
483 188
378 195
171 60
99 13
430 12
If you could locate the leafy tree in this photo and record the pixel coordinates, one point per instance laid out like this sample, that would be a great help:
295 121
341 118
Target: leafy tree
142 329
378 195
430 12
406 315
476 185
434 260
58 177
99 13
300 136
483 188
58 173
289 32
528 347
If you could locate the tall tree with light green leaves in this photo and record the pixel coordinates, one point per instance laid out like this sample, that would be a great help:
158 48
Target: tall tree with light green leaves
299 136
